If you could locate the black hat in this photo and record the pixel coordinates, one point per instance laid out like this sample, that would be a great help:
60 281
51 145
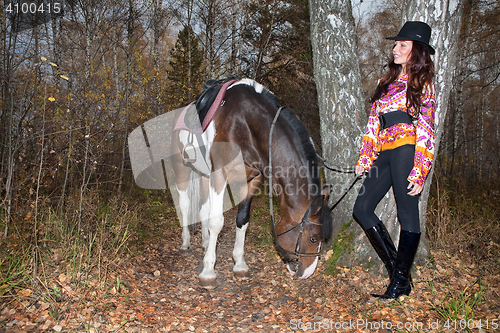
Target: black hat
416 31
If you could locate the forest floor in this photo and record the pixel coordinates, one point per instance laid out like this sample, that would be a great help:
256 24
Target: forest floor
155 289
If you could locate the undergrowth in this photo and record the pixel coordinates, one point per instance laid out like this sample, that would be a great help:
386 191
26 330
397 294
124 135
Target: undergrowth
464 221
39 265
465 218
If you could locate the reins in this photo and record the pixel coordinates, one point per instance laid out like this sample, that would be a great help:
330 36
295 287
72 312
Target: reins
342 170
304 219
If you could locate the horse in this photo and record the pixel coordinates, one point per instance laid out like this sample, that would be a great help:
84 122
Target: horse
236 144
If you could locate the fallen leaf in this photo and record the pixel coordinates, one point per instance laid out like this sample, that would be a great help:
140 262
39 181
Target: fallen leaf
25 292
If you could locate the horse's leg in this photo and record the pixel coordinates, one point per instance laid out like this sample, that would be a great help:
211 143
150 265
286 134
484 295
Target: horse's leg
205 211
182 182
215 223
242 218
184 204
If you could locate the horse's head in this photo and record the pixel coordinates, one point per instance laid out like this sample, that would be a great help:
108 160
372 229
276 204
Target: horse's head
300 238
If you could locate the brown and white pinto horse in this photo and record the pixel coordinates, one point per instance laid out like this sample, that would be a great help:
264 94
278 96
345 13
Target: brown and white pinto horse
244 120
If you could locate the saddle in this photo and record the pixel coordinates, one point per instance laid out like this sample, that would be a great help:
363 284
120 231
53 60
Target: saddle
195 119
209 93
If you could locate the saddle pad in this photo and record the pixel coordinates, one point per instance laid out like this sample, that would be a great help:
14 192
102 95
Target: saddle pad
182 124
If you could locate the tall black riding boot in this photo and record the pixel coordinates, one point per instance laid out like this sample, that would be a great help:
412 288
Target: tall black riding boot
382 243
401 281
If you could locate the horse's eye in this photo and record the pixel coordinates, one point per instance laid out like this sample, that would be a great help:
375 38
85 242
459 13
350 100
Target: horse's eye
313 240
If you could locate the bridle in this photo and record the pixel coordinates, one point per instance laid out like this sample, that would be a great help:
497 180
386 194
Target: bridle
296 252
303 222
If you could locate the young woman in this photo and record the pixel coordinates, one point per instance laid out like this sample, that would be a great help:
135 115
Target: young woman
397 149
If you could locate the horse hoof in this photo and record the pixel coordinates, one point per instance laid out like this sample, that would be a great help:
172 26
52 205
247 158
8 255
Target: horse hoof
242 274
207 283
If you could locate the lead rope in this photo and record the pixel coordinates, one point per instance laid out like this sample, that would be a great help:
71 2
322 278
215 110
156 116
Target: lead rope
346 190
342 170
335 167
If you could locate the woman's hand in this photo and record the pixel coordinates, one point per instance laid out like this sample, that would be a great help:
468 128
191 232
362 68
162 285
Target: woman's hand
415 188
359 170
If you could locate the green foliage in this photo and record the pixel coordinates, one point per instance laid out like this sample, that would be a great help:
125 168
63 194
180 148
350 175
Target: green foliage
186 68
14 267
343 244
460 306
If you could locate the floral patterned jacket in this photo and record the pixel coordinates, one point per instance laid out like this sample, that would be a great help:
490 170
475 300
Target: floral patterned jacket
421 134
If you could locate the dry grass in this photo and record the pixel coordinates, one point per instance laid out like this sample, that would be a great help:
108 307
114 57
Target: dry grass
34 264
466 221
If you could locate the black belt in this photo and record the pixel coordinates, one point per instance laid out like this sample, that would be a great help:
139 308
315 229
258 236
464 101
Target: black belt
394 117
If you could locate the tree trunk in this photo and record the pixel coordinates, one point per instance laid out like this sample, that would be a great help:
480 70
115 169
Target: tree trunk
189 83
235 40
4 92
130 47
457 103
10 173
265 37
342 114
445 18
209 41
156 30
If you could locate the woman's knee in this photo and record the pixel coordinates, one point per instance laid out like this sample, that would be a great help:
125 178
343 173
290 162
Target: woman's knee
412 225
363 216
409 220
358 212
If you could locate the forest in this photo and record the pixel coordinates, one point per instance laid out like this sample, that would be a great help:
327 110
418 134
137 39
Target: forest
75 83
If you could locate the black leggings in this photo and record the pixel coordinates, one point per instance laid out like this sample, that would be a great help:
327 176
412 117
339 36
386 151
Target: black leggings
391 168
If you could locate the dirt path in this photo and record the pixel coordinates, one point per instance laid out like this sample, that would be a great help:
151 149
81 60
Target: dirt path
158 291
173 300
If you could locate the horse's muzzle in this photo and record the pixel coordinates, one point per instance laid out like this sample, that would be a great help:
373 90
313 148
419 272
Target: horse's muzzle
293 265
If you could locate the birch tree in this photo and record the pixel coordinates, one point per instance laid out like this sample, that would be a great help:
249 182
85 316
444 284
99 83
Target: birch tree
445 19
340 99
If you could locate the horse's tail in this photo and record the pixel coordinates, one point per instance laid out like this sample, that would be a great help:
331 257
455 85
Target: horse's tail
194 189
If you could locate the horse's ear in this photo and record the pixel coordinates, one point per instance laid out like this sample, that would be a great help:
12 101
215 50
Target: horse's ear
326 192
316 205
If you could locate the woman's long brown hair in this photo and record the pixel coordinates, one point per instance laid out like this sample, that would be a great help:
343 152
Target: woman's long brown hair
420 70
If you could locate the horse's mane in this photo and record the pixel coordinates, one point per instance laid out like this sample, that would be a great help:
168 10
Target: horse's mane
302 137
304 140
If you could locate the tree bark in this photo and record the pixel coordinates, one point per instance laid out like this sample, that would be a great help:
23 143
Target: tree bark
457 102
130 47
189 83
209 40
341 108
445 19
